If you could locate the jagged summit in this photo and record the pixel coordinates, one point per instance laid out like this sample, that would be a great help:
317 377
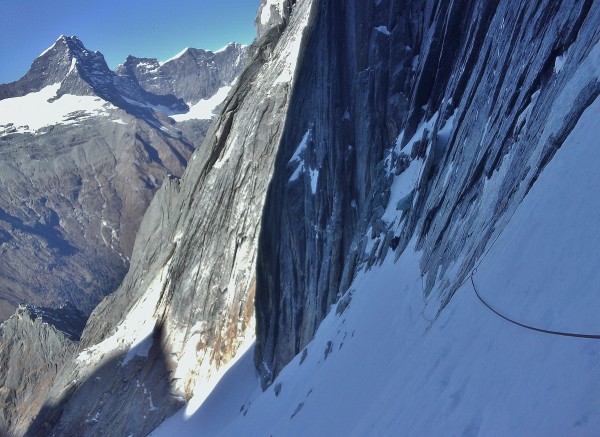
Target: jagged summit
140 86
52 66
83 72
66 57
70 44
66 318
193 74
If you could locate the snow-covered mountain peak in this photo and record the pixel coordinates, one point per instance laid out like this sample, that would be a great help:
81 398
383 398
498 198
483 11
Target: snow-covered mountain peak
69 42
69 82
75 48
62 42
61 57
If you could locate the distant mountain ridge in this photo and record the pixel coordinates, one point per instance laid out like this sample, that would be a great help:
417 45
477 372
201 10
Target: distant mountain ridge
82 150
192 75
85 73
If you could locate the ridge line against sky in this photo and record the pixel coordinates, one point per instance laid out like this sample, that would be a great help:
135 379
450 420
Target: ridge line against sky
150 28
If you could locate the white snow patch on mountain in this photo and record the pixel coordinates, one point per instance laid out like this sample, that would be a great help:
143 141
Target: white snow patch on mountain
402 186
298 156
404 183
148 67
73 64
290 58
388 370
34 111
290 53
222 49
177 56
266 12
299 159
414 63
383 29
314 180
135 334
448 173
205 108
559 63
51 47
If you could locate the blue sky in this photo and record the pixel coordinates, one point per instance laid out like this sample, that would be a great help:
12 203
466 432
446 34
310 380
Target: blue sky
117 28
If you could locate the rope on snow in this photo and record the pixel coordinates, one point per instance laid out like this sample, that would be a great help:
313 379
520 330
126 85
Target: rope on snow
523 325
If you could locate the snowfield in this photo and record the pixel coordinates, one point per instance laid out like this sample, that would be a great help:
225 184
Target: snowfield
205 108
382 367
34 111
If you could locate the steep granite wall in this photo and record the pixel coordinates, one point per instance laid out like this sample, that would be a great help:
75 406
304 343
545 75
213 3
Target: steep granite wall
447 95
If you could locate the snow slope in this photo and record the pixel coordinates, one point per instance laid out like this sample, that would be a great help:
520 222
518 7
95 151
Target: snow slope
381 367
204 109
37 110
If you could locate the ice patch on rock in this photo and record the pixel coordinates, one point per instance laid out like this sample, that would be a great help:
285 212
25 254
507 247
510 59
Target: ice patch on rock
265 14
383 29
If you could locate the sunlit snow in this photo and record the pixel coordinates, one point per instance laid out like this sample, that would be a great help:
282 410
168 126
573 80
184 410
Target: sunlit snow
265 14
34 111
204 109
177 56
298 156
51 47
134 334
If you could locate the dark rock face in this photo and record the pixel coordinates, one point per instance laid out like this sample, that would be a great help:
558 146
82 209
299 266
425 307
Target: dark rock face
462 90
67 318
49 68
193 75
31 356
